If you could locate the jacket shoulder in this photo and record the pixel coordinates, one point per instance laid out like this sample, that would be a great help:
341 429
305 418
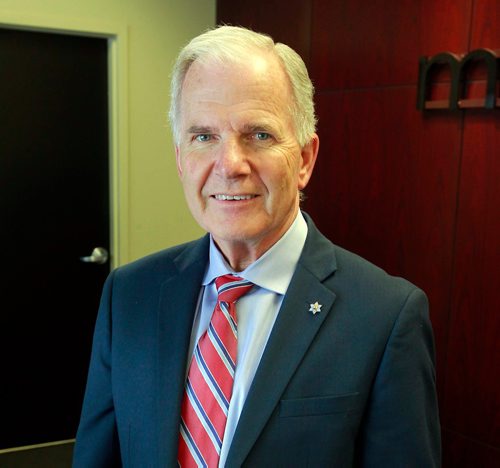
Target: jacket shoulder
167 261
347 270
359 270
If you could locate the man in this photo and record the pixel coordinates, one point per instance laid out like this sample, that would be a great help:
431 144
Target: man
333 358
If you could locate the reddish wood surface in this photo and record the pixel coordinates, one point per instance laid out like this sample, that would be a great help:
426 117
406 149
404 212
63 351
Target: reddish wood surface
472 378
486 24
357 43
462 452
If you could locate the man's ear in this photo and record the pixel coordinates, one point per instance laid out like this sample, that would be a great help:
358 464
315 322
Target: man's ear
178 160
308 159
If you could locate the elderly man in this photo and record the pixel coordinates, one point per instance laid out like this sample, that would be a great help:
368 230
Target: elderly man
261 344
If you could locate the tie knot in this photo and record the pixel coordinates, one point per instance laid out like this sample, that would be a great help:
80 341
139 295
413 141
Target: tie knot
230 288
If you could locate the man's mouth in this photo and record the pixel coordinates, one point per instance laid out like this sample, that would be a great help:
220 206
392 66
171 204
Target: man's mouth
223 197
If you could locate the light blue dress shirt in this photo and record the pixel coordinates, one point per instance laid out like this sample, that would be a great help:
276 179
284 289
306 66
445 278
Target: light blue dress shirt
256 311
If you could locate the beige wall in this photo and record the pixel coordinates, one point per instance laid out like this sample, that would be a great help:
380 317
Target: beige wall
150 208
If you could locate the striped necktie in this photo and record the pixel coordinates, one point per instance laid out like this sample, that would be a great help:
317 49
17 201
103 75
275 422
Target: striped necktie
210 379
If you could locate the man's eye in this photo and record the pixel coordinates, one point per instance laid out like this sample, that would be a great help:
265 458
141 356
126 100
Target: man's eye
262 136
203 137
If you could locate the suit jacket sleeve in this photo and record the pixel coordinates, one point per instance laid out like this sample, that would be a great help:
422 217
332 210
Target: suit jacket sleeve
97 441
401 424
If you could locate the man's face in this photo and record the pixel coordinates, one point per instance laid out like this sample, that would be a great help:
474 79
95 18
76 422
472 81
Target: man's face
238 158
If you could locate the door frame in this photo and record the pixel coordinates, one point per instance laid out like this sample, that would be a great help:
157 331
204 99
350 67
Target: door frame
116 35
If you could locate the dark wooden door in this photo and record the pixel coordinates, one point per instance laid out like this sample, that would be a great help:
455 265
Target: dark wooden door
54 209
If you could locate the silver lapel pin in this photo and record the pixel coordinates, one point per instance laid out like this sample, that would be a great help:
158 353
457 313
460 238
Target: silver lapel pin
315 308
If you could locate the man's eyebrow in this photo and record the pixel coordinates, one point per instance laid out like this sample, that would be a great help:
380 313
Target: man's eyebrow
200 129
259 127
248 128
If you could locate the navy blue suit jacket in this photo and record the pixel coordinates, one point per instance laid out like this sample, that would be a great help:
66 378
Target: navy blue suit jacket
352 385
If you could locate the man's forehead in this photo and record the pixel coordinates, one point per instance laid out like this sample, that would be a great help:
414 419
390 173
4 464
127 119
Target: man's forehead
246 97
233 86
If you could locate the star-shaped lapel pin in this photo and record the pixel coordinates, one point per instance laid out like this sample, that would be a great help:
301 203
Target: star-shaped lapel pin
315 308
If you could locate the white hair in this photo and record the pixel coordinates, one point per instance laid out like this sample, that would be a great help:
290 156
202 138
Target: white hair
232 44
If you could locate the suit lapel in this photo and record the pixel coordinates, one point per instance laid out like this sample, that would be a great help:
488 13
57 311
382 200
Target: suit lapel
294 331
177 306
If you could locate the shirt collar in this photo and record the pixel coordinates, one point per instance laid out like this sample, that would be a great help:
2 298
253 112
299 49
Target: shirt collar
274 269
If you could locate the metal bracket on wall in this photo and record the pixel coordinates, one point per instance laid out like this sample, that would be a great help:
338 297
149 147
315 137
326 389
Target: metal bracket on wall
459 66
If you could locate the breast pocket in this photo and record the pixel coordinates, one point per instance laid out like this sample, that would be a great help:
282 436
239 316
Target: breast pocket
312 406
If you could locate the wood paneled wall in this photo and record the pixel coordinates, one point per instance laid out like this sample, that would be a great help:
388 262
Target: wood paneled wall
416 193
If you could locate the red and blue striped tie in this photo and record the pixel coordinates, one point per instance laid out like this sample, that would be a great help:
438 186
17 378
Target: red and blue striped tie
210 379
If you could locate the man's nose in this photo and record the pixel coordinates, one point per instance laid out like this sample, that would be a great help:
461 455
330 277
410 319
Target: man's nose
232 160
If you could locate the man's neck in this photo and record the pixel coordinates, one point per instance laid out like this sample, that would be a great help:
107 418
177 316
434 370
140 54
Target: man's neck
240 254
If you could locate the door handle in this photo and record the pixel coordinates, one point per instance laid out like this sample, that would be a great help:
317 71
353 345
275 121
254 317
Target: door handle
99 255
